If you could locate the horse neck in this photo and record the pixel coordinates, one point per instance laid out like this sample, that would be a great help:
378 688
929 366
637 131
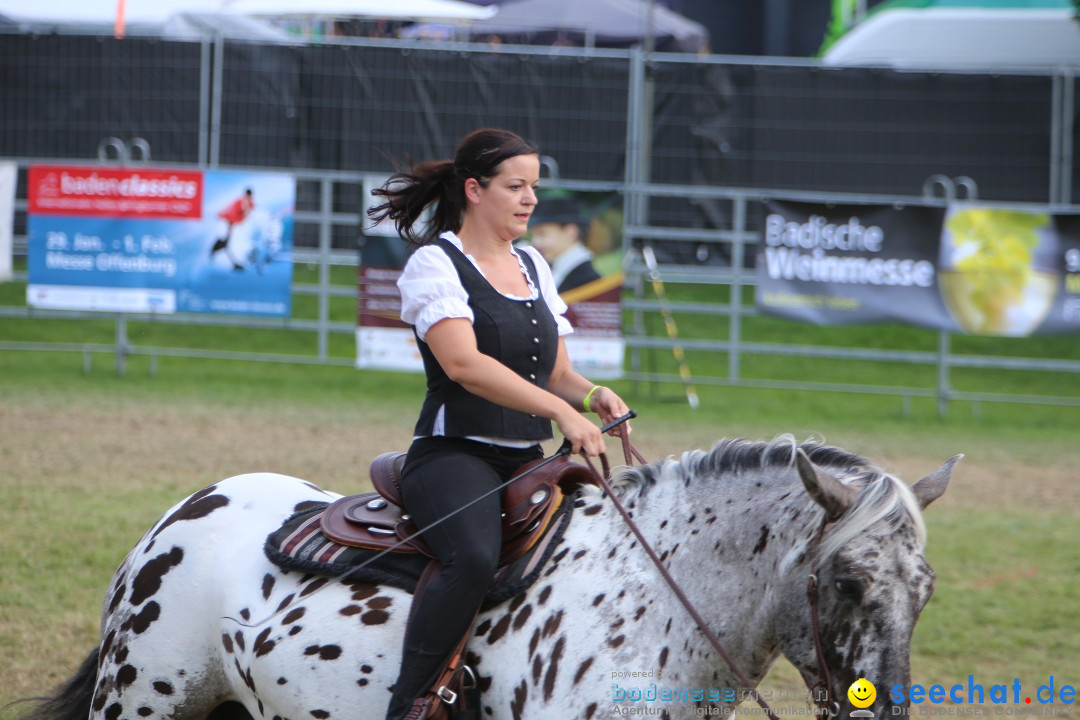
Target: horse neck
753 530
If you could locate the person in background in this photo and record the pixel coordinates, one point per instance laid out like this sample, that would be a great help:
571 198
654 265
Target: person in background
558 231
234 214
489 326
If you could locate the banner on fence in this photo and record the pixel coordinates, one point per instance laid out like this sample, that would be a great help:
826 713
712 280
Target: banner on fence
580 236
8 175
968 268
158 240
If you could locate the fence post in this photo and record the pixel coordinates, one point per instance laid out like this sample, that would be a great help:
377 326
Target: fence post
632 195
943 389
216 91
1068 108
737 263
637 327
326 208
122 344
1057 80
204 101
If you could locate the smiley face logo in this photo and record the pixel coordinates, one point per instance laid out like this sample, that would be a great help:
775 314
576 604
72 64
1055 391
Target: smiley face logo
862 693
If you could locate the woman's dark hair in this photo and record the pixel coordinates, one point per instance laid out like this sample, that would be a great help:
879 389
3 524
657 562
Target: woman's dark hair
442 182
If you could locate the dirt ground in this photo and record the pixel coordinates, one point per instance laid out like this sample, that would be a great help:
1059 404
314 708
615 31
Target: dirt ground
195 446
186 447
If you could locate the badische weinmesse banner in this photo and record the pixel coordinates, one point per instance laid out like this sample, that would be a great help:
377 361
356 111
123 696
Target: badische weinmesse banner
970 268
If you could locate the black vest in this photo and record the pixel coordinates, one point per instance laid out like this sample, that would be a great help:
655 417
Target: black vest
520 334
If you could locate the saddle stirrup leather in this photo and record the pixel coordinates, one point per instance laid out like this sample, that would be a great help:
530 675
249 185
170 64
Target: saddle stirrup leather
435 701
449 683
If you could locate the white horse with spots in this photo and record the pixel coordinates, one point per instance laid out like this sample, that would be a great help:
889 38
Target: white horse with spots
198 624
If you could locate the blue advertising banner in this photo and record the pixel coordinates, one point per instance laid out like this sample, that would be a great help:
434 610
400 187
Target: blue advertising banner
154 240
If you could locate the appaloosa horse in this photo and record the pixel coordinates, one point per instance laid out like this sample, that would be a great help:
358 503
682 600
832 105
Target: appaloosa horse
197 623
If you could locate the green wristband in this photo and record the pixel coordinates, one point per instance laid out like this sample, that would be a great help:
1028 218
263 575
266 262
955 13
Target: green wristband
588 396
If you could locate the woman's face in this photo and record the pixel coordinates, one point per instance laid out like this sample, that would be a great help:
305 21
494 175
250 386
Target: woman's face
509 199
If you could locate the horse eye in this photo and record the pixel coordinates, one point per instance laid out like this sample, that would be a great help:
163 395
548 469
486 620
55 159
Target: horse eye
850 588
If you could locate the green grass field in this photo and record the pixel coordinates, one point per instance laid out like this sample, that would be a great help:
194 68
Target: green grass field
705 364
90 461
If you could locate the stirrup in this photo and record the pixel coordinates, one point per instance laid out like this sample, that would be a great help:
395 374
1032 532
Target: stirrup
471 682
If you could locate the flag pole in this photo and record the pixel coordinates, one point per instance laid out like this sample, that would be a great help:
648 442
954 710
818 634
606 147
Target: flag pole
118 26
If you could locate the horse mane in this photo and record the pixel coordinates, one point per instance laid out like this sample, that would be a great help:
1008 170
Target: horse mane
882 497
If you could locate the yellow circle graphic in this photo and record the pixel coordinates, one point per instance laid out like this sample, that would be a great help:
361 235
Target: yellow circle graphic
862 693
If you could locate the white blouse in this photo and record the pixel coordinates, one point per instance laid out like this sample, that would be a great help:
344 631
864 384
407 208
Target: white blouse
431 289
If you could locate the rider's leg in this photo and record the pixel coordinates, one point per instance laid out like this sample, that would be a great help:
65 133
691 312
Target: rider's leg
222 242
440 476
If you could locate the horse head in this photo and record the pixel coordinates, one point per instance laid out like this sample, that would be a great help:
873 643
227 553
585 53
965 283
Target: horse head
866 559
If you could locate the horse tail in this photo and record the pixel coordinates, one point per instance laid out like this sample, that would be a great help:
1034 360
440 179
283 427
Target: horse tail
71 700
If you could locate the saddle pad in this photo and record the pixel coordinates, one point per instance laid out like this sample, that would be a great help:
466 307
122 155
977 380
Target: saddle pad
300 545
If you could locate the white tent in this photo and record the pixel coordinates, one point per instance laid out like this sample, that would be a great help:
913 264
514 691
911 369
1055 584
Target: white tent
399 10
196 25
961 38
151 12
101 12
603 23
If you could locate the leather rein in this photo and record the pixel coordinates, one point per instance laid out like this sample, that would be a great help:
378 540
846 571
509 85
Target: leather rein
823 680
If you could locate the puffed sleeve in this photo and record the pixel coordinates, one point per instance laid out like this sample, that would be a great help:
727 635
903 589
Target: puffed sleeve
549 291
431 290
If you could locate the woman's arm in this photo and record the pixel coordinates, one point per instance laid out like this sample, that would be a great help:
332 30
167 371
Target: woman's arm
453 343
574 388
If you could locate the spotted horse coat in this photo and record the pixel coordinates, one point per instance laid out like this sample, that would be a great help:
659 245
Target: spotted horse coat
197 623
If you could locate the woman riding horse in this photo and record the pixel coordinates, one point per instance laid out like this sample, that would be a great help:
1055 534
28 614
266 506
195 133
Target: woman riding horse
489 325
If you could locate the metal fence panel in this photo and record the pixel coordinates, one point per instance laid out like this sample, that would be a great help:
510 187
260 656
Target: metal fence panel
693 144
60 96
359 108
851 130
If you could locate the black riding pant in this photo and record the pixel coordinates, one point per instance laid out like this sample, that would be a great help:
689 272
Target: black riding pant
442 475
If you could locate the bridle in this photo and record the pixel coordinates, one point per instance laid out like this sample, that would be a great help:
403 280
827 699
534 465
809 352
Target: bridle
822 682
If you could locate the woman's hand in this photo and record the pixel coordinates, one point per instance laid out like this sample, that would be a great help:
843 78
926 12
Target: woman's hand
609 406
584 436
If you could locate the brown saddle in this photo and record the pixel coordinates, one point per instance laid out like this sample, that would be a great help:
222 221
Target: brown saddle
377 521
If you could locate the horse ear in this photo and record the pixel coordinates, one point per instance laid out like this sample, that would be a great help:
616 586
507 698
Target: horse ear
931 487
827 491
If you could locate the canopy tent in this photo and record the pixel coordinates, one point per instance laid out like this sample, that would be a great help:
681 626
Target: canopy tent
599 23
962 34
194 25
398 10
158 12
100 12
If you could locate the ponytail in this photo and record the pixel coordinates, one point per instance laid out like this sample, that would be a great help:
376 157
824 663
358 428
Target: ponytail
407 194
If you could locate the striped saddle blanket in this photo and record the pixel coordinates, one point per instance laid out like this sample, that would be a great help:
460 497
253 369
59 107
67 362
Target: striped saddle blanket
300 545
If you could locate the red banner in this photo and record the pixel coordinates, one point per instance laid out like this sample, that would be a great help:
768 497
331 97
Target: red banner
380 300
124 192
